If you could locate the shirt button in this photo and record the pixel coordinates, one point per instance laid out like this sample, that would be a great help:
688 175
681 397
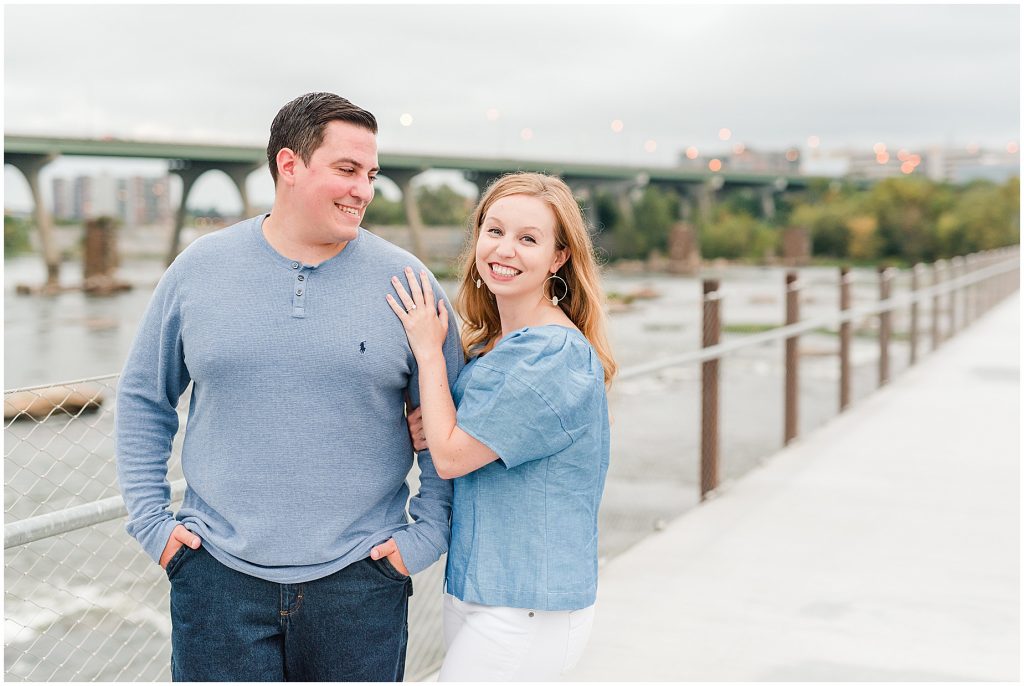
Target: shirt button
295 265
531 614
298 292
301 277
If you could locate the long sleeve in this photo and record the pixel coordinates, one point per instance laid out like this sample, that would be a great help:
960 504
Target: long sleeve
426 539
152 382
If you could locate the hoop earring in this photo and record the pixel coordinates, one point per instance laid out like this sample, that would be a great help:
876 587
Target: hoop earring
554 298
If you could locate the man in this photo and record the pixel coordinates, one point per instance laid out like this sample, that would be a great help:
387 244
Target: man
296 450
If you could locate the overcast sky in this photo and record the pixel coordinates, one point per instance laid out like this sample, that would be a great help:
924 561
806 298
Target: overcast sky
909 76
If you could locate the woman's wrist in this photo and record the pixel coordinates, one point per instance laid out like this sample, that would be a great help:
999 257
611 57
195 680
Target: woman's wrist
428 358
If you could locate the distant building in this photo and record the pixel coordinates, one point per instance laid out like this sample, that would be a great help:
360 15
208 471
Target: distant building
104 196
874 167
745 160
147 201
960 165
136 201
952 165
81 198
63 199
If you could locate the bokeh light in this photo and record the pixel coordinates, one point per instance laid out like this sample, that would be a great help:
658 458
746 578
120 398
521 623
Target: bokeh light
1012 148
724 134
526 134
617 125
493 114
792 154
650 145
692 153
405 119
879 148
715 165
882 158
813 141
739 149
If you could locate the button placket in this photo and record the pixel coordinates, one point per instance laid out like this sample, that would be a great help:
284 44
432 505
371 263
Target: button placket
299 288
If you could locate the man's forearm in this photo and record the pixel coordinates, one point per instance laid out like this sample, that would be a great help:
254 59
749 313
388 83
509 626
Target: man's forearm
144 434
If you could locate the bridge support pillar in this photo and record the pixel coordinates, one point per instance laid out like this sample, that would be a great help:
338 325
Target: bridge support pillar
239 173
768 202
706 194
188 171
30 165
685 203
403 179
588 194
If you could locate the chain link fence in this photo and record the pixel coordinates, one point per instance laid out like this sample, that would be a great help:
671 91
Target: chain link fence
84 603
88 604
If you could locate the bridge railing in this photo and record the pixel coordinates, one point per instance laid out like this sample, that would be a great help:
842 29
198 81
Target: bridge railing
83 602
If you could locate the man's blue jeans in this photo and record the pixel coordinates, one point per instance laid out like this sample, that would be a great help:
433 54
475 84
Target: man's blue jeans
229 626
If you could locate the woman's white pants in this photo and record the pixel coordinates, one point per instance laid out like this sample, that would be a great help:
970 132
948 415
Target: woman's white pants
486 643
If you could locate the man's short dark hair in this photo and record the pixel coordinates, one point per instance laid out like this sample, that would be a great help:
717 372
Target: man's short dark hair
300 124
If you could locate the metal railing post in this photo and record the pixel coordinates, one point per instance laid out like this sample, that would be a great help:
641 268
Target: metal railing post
712 332
845 279
969 291
915 285
792 358
884 324
1004 280
993 284
985 286
955 320
936 280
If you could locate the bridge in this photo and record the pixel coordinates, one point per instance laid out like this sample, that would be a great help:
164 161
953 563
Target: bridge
189 161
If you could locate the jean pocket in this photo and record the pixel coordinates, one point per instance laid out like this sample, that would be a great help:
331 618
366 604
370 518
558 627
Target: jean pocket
389 570
175 561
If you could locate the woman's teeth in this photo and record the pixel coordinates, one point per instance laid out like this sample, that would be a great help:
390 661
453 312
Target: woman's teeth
503 271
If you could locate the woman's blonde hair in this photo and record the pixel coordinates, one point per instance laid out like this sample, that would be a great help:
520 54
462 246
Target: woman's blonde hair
584 303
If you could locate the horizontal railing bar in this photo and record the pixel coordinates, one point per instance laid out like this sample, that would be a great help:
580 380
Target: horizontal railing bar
807 325
73 518
92 379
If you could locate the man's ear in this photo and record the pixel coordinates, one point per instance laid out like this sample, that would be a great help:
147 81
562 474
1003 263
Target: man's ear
286 160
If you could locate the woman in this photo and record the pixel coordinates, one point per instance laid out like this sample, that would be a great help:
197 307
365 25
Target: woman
528 443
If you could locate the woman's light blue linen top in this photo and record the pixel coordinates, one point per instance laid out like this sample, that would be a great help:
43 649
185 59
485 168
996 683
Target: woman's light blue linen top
524 528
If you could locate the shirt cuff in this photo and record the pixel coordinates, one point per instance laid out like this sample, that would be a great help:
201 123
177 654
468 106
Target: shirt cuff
155 540
417 554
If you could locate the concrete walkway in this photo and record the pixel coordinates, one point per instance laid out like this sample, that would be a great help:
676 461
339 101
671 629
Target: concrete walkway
884 546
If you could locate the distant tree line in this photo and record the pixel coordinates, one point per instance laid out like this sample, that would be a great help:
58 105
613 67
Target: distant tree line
16 235
901 220
911 219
